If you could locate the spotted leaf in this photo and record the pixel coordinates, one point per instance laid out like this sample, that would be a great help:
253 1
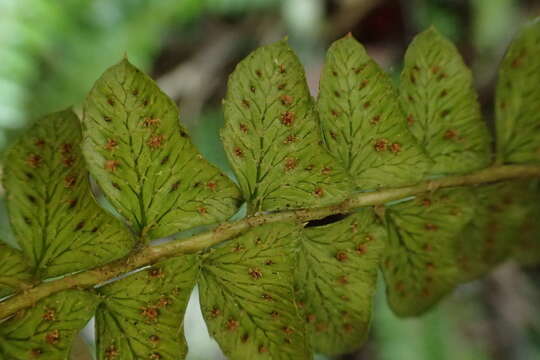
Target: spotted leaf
420 263
46 330
58 224
271 135
14 271
141 316
336 280
489 238
247 295
362 123
441 106
518 99
144 160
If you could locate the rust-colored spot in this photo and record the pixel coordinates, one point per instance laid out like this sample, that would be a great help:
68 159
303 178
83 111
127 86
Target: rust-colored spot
107 118
426 292
175 186
244 338
334 72
135 92
212 185
411 99
238 152
430 266
146 102
427 247
269 262
334 113
53 337
274 314
309 167
70 181
375 120
380 145
287 118
49 314
359 69
290 164
111 165
111 352
348 327
66 149
245 103
286 99
443 93
367 104
431 227
258 73
163 302
232 325
111 144
263 349
435 69
68 161
155 356
282 86
151 122
343 280
155 141
412 78
289 139
244 128
150 312
36 352
110 101
252 88
300 304
337 93
34 160
363 84
238 248
79 226
354 228
267 297
282 69
445 113
410 120
319 192
202 210
333 135
361 249
416 68
395 148
287 330
154 339
215 312
426 202
255 273
399 286
326 170
40 143
450 134
310 318
342 256
321 327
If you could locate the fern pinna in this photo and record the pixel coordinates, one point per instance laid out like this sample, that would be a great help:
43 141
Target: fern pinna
405 179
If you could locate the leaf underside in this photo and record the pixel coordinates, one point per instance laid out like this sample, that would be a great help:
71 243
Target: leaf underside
336 280
271 135
138 152
518 99
419 263
441 106
362 123
46 331
58 224
247 295
141 316
14 270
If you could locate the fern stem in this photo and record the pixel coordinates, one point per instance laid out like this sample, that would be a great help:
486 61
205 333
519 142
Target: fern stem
151 254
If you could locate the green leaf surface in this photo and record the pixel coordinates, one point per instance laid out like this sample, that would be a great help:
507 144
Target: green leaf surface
362 123
420 263
336 280
271 135
526 249
439 100
247 295
518 99
489 238
141 316
59 225
144 160
46 331
14 270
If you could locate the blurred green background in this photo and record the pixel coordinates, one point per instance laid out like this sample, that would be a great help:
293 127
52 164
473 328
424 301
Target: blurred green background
52 51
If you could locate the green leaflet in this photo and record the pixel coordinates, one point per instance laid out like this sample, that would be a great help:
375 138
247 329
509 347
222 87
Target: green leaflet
14 271
336 280
518 99
141 316
419 263
247 295
489 238
271 135
59 225
144 161
438 97
362 123
46 331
